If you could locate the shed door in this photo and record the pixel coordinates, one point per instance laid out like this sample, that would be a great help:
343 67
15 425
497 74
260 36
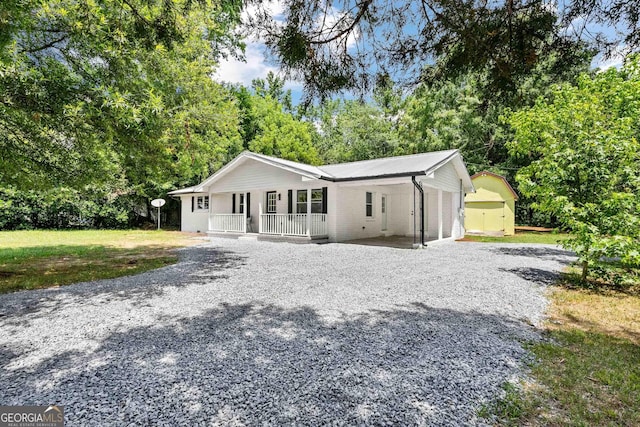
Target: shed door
485 217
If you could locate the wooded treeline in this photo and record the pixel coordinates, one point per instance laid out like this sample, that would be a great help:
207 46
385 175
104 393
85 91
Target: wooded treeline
105 105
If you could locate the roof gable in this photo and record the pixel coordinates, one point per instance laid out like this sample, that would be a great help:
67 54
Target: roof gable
498 177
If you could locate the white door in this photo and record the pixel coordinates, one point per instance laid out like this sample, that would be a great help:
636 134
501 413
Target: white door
383 207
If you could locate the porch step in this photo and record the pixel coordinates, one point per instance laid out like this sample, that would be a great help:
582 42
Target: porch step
253 237
266 237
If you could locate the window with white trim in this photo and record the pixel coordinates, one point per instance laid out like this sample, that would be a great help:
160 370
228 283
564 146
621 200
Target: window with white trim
202 203
241 204
271 201
368 205
301 202
316 200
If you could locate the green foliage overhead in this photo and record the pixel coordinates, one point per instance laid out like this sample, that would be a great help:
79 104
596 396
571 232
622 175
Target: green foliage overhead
333 46
584 142
97 91
280 134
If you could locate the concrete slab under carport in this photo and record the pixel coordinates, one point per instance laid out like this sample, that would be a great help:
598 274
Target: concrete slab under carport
400 242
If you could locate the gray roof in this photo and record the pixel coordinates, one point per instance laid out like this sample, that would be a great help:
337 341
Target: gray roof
303 167
415 164
399 166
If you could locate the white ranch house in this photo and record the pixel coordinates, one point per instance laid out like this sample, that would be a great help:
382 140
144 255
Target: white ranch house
268 196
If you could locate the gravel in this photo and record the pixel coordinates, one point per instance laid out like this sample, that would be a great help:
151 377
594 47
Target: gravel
260 333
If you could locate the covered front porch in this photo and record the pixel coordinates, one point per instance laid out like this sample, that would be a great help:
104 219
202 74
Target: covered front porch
301 225
278 212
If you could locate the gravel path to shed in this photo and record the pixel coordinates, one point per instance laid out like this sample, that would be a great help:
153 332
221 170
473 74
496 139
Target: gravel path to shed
259 333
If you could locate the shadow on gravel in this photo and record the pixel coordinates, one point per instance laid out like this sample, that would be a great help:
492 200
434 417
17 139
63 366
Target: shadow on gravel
535 275
196 265
560 255
259 364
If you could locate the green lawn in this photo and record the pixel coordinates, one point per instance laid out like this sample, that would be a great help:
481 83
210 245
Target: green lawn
587 371
42 258
525 237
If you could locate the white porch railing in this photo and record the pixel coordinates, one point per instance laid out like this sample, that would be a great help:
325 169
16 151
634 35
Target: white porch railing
294 224
228 222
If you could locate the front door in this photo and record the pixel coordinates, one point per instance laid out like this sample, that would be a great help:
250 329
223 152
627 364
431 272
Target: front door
383 207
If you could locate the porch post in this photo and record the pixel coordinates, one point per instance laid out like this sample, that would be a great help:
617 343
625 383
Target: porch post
244 214
309 212
439 214
210 210
260 215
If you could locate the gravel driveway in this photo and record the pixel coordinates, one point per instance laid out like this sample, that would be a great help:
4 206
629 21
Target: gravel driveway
248 333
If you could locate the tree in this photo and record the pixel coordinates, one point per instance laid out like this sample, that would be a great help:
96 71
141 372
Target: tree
331 46
586 169
95 91
353 130
280 134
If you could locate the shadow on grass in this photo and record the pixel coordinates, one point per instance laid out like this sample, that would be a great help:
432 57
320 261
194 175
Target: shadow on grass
255 363
196 265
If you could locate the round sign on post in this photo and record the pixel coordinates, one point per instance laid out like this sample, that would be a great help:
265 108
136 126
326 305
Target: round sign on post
158 203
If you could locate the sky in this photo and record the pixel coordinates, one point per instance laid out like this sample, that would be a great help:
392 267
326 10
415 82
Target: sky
256 64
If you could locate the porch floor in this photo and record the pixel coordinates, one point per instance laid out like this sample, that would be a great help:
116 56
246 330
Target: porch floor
400 242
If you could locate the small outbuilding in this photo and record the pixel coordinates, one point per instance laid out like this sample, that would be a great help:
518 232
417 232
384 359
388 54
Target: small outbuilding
491 209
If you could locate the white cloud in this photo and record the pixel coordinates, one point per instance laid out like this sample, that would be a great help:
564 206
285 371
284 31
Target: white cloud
255 65
236 71
615 59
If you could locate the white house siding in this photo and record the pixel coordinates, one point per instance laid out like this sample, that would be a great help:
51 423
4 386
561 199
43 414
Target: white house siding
399 210
252 175
196 221
445 178
352 221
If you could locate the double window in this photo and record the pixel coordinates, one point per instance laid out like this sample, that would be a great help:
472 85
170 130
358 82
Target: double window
202 203
316 201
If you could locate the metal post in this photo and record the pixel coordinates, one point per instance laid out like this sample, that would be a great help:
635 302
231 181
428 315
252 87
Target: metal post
158 217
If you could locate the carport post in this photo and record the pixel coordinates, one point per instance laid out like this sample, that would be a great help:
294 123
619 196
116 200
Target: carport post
421 191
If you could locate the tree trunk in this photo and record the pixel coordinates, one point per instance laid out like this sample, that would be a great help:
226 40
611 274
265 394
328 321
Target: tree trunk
585 270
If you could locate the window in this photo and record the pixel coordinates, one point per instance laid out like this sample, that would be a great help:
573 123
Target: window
301 201
271 202
369 204
202 203
316 200
241 204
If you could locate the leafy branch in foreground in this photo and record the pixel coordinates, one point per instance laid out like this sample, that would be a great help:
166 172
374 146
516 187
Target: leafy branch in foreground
586 163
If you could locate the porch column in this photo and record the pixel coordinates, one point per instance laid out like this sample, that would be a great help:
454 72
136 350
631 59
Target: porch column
309 213
439 214
260 215
210 210
244 210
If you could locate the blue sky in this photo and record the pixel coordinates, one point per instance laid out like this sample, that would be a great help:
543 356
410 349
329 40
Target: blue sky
256 64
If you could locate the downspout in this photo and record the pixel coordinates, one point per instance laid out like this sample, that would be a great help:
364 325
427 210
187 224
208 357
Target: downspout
421 191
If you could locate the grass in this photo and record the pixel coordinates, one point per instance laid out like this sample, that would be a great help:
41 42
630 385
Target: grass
42 259
524 237
587 371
